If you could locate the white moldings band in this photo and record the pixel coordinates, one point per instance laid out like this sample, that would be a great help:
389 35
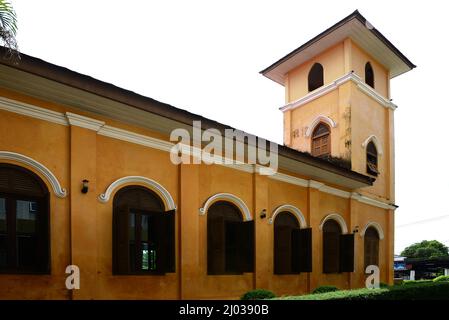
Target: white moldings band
289 179
330 190
292 209
316 121
17 157
84 122
147 141
316 185
376 96
338 218
376 142
334 85
372 202
376 226
151 184
136 138
227 197
32 111
336 192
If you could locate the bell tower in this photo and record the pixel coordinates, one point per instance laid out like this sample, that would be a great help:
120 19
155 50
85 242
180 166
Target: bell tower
337 99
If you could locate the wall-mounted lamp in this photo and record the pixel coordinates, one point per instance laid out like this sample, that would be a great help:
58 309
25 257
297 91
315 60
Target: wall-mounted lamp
85 186
356 229
263 214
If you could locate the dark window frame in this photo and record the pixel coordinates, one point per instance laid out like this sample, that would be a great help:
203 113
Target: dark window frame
166 246
42 225
372 159
315 78
318 138
338 248
371 244
369 75
292 246
230 240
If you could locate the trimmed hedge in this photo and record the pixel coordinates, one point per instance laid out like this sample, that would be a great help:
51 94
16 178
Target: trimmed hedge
441 278
422 291
413 282
258 294
324 289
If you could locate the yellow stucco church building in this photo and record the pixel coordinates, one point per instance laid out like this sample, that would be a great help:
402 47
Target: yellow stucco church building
87 180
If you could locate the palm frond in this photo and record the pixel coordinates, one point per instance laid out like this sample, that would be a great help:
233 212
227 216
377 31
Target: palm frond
8 29
8 18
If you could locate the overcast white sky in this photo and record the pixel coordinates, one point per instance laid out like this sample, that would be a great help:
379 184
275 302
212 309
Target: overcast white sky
205 56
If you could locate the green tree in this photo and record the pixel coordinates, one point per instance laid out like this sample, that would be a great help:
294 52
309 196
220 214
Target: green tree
426 249
8 26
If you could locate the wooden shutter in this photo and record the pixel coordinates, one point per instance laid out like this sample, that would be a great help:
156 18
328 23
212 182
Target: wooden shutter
171 241
245 243
121 241
215 246
347 253
159 226
331 252
302 250
282 250
233 259
371 251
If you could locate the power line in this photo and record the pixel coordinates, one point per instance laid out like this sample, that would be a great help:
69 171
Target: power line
423 221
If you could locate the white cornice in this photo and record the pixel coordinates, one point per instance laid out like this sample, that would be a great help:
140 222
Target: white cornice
292 209
317 120
289 179
376 226
315 184
335 216
151 184
329 190
375 141
32 111
333 86
83 122
227 197
39 167
136 138
372 202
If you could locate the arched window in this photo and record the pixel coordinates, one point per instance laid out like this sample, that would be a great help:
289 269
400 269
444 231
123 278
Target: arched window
371 247
24 221
321 142
316 77
338 248
230 240
371 159
144 235
331 246
292 245
369 75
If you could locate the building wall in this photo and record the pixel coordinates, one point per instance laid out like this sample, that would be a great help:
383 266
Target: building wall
359 58
357 115
332 61
81 225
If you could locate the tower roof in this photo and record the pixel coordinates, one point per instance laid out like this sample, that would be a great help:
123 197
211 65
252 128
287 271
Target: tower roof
354 26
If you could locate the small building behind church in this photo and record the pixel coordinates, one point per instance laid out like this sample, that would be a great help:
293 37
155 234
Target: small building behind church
87 180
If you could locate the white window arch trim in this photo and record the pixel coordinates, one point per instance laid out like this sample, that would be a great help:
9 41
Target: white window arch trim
143 181
376 142
376 226
37 166
316 121
293 210
338 218
230 198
